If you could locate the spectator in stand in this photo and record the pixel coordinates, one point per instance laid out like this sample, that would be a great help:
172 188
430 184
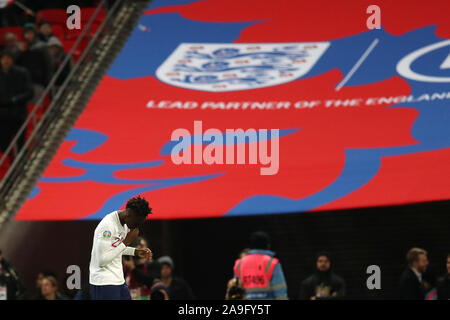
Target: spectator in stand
443 285
260 272
9 281
178 289
15 90
429 281
159 291
11 44
244 252
323 283
140 273
36 58
45 31
235 289
40 277
49 289
56 50
411 285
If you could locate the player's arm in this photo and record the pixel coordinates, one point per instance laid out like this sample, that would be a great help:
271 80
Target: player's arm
278 283
109 248
129 239
130 251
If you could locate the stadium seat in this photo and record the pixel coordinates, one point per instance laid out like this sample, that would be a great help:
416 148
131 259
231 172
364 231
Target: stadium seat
58 31
39 114
4 167
30 126
59 16
86 14
54 16
73 34
68 46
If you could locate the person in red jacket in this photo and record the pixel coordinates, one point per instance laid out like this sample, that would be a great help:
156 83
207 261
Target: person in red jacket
260 272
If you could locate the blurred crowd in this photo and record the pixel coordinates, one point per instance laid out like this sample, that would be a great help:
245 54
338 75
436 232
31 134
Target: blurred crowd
28 61
26 69
257 274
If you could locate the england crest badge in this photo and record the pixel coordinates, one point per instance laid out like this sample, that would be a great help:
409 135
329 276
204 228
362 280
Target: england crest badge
238 66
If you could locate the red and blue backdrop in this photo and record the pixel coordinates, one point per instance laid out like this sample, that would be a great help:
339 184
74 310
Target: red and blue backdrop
364 115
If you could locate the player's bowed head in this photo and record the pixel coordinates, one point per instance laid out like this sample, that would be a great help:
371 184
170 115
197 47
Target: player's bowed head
134 216
136 212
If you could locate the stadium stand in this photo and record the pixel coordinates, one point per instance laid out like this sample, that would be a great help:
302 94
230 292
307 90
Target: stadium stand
57 18
90 51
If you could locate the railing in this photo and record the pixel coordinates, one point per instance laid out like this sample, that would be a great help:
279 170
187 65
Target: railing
49 114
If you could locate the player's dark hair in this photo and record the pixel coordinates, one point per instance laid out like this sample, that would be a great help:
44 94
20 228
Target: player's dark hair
139 206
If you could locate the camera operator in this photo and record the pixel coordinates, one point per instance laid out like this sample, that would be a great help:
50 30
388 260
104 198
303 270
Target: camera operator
11 286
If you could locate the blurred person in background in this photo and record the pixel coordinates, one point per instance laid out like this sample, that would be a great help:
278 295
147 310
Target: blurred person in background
244 252
49 289
11 286
11 44
323 283
36 58
411 284
58 55
159 291
43 273
429 284
178 288
234 288
443 284
45 31
140 273
15 91
260 272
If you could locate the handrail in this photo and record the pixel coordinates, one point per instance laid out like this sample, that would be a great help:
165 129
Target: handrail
49 87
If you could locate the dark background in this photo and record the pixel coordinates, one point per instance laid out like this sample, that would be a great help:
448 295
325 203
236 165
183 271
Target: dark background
204 250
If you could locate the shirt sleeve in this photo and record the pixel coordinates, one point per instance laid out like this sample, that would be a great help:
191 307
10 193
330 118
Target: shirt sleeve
109 248
129 251
278 284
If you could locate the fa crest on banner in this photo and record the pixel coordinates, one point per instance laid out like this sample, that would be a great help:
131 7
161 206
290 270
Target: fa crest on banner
238 66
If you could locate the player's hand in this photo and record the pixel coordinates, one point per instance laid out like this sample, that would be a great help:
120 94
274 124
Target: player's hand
144 253
131 236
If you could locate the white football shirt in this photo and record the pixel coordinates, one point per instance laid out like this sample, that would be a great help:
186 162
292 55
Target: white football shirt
107 249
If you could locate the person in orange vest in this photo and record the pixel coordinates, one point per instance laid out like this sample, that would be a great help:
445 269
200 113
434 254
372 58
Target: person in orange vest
260 272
